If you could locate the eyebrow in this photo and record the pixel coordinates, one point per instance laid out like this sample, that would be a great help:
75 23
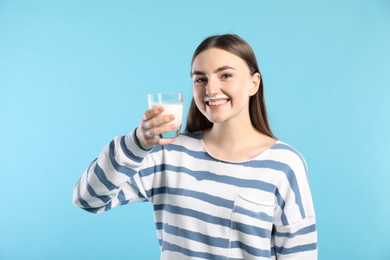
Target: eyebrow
196 72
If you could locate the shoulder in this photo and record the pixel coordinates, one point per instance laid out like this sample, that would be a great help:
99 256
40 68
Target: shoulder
288 154
190 140
287 149
184 142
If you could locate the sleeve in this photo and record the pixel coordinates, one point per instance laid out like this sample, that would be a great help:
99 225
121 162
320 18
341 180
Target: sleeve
295 232
112 179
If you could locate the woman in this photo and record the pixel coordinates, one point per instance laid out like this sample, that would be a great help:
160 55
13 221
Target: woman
226 188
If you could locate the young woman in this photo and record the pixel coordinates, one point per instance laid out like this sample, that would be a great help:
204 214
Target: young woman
224 189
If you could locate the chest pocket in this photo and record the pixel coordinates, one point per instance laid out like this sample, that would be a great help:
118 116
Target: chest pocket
250 230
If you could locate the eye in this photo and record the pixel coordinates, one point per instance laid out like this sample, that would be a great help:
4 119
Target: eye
226 76
200 80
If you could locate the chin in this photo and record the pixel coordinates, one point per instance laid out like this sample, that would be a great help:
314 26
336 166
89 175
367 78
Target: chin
216 119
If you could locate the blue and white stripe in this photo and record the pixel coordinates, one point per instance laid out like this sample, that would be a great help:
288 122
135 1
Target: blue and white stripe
207 208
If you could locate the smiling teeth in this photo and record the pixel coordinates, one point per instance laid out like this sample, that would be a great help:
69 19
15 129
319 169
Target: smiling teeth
217 102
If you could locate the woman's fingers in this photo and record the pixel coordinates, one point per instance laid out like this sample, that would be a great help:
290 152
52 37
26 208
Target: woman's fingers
156 131
156 124
152 126
152 112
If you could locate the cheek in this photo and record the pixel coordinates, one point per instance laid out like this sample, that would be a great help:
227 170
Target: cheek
246 87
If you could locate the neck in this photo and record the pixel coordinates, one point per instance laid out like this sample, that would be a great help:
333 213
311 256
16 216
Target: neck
238 133
236 143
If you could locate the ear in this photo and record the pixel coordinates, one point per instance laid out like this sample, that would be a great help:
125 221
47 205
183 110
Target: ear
256 79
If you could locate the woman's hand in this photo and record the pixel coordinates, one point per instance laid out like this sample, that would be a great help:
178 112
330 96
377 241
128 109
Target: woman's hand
152 125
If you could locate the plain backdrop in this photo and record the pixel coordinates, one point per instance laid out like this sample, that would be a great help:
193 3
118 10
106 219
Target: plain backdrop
74 74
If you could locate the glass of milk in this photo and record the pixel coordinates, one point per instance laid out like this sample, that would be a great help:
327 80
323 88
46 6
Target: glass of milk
173 104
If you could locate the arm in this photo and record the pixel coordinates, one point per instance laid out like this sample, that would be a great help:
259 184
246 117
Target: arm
297 240
112 179
295 232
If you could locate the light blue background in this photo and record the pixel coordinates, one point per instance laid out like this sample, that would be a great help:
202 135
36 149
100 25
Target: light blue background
73 74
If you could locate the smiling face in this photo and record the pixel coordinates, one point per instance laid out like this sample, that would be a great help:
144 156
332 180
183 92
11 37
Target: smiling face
222 86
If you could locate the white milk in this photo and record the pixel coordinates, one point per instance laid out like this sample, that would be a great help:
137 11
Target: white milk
175 109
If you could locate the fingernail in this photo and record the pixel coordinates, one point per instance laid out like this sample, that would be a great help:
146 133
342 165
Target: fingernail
173 126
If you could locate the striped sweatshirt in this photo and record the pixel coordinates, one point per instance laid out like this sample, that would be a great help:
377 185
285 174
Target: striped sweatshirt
204 207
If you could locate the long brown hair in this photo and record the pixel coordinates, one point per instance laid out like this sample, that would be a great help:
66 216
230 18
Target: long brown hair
234 44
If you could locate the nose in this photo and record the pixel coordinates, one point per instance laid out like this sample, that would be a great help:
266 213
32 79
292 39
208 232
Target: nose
212 87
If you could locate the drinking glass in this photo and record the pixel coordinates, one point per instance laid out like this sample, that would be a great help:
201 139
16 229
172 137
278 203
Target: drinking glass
173 104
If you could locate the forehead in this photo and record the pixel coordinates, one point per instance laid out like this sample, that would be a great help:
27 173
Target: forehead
214 58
